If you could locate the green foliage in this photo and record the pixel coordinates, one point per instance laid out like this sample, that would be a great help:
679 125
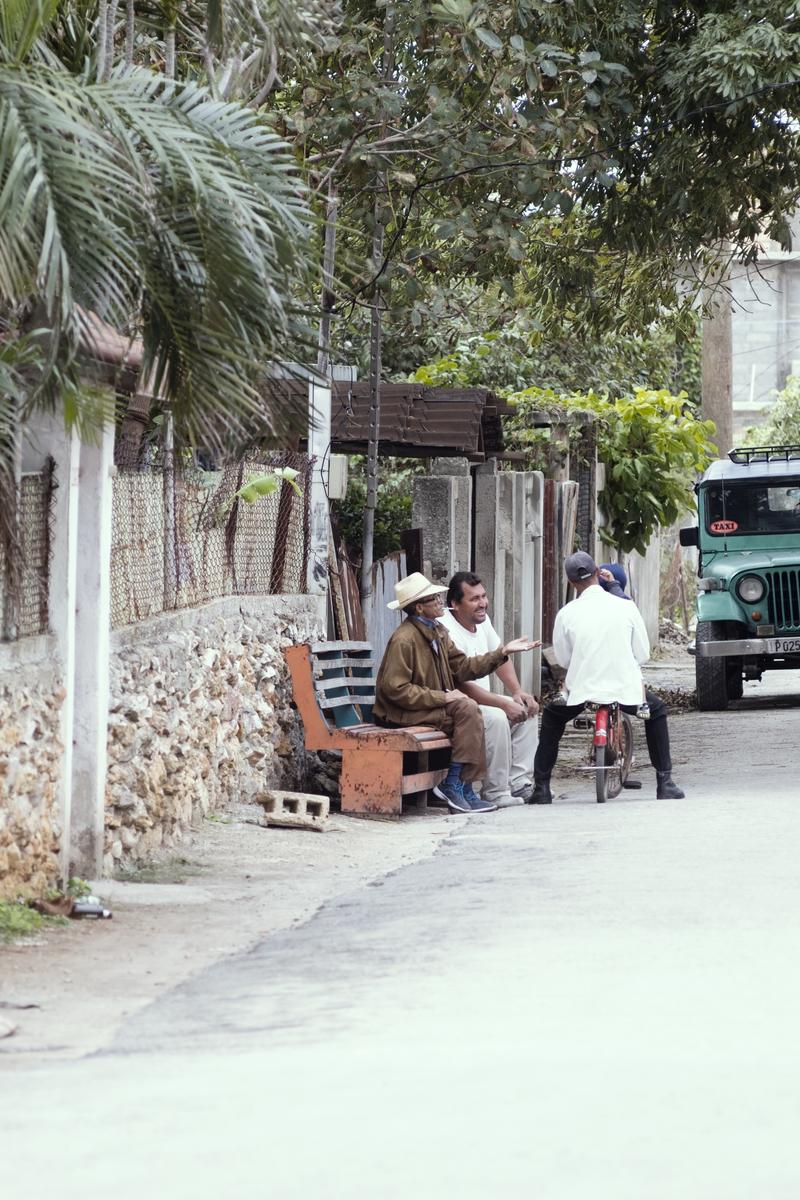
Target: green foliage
78 888
393 512
18 921
516 357
559 146
267 484
256 488
652 447
782 428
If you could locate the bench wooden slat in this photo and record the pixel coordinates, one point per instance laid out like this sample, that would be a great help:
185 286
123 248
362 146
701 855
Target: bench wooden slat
402 739
423 781
338 701
321 648
331 664
323 686
426 733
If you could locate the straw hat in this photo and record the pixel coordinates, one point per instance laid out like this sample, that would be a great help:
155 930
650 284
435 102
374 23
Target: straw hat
412 588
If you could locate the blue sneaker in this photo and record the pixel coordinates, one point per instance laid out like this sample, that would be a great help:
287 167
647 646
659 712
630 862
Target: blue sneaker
453 793
475 802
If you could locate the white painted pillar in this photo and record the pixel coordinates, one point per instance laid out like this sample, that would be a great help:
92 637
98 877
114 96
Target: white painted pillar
92 632
46 437
319 448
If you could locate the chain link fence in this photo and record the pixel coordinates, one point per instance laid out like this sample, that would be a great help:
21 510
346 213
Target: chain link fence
25 581
182 536
179 538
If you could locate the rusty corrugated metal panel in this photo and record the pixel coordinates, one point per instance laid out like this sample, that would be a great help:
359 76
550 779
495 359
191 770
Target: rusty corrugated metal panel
447 423
415 418
350 411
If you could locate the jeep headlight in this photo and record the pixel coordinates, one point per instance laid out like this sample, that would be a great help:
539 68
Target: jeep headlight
750 588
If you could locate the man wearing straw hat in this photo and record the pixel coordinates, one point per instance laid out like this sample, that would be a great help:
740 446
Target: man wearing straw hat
418 682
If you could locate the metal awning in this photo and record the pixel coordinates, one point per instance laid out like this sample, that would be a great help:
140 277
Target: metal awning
418 421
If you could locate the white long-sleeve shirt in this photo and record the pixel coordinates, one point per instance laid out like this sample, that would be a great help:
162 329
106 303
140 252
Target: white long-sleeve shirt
601 640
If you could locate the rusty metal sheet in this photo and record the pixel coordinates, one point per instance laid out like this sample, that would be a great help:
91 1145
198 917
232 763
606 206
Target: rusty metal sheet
419 419
451 424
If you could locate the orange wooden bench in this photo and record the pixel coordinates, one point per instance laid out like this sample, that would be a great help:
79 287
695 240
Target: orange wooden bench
334 690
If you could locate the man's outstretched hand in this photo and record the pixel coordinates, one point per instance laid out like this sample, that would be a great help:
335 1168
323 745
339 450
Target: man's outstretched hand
520 644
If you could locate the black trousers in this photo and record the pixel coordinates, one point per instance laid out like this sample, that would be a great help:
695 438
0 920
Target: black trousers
556 716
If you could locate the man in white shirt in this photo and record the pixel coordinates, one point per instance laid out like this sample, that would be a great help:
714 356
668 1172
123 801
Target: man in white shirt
602 643
509 721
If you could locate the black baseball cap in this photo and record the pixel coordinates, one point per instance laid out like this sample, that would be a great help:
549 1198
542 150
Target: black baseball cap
580 566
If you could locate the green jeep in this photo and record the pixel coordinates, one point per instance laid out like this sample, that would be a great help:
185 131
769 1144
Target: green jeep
748 603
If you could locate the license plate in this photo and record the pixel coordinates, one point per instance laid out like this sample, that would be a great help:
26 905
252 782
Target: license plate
789 645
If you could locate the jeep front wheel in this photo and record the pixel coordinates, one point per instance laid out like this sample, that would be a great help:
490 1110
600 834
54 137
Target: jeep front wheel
711 673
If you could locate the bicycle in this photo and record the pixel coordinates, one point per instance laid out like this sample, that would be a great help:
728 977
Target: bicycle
610 754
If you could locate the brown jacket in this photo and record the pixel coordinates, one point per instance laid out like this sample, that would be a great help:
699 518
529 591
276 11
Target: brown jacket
413 678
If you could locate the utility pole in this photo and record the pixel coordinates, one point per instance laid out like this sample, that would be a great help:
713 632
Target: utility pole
387 68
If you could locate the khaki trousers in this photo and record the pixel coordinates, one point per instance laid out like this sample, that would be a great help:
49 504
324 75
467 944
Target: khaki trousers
463 724
510 751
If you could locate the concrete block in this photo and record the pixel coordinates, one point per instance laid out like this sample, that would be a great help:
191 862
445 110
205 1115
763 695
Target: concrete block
433 510
450 466
295 810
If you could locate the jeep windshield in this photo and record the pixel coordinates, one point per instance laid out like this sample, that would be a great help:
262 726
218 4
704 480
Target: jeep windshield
734 510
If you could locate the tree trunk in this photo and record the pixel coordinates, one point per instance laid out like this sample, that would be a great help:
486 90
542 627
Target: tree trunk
11 541
717 362
328 265
169 51
102 38
111 20
130 31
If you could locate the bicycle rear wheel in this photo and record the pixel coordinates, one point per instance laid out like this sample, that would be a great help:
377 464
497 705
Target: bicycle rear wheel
601 774
623 746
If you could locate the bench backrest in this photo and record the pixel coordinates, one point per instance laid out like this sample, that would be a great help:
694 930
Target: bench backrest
334 687
344 680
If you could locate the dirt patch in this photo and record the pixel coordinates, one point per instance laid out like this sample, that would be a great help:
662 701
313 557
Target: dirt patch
232 883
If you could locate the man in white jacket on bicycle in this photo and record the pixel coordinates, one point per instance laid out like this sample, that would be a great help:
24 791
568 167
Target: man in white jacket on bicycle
602 643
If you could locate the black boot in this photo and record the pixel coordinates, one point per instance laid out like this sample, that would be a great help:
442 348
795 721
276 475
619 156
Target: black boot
666 788
541 793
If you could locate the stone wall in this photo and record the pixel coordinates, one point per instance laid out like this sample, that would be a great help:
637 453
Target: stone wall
200 715
31 696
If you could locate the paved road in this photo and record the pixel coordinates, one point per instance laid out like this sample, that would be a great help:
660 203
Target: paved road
567 1002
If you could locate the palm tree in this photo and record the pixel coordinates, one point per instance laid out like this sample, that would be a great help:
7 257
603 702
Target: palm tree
164 210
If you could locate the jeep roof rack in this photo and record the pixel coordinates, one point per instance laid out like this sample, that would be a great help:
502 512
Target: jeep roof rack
745 455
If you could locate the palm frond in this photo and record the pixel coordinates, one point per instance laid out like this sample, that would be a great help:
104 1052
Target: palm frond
22 23
155 205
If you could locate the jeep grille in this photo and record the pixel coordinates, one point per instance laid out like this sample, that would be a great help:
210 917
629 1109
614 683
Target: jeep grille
784 598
